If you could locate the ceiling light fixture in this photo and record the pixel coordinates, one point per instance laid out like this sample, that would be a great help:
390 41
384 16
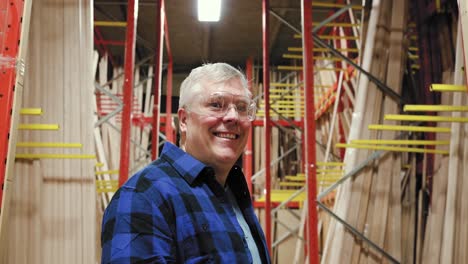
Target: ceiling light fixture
209 10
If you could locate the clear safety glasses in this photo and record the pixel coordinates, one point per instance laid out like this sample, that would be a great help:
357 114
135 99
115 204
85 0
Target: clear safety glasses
218 104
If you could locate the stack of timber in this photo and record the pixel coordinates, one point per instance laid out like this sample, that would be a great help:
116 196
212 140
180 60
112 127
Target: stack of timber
52 218
370 201
445 236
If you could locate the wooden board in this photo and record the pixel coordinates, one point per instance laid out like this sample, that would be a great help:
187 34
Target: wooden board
59 225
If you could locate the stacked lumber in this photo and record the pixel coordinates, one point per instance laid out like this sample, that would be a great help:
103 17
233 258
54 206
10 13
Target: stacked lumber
52 217
370 201
446 235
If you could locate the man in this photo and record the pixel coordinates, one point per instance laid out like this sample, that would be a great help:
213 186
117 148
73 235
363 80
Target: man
192 205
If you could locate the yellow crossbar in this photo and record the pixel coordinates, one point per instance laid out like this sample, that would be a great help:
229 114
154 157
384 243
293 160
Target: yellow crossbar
282 111
38 127
107 172
274 96
389 148
99 165
285 91
329 170
299 68
413 48
399 142
413 57
48 145
426 118
31 111
283 103
436 108
329 37
320 163
283 195
410 128
110 23
333 5
297 56
336 24
448 88
103 186
286 85
54 156
330 177
291 184
299 49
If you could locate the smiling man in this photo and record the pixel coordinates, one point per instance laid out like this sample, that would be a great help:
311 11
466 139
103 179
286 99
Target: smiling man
192 205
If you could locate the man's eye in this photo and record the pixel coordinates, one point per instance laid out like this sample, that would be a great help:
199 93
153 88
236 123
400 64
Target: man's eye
216 105
242 107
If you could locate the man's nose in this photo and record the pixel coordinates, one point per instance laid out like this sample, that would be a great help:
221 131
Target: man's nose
231 112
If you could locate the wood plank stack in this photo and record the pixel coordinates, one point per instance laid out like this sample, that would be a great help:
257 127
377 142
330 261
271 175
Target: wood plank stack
53 205
446 235
370 202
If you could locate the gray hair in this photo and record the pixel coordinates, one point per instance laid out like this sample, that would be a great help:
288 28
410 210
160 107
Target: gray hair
209 73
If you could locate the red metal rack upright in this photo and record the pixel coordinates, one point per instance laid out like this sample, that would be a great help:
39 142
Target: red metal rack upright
10 34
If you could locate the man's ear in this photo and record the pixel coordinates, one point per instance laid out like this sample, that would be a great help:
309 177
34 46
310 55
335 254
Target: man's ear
182 114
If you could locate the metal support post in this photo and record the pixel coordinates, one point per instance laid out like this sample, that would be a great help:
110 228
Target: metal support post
168 129
310 163
266 91
10 33
157 78
132 17
248 153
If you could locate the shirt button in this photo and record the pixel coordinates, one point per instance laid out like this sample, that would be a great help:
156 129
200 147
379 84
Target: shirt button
204 227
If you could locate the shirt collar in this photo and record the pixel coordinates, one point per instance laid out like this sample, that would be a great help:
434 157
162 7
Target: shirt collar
185 164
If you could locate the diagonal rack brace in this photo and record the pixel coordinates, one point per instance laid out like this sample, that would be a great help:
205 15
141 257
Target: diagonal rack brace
380 85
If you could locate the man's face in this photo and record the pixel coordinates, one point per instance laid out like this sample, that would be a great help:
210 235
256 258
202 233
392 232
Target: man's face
216 140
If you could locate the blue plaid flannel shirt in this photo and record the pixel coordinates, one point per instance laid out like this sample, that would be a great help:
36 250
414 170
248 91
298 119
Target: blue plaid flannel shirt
174 211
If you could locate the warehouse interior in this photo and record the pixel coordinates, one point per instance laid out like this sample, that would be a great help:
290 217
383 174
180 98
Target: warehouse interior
357 155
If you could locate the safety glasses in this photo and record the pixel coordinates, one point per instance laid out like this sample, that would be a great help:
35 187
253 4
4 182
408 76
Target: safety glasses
219 103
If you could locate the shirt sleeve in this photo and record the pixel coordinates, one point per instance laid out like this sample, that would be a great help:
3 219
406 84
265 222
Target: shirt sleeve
136 229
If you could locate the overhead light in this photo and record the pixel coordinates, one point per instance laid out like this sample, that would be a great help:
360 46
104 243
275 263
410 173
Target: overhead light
209 10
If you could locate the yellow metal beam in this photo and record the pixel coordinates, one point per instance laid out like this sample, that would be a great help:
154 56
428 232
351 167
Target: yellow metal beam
285 84
410 128
110 23
283 195
299 68
54 156
298 56
436 108
448 88
336 24
334 5
48 145
31 111
107 172
38 127
425 118
389 148
299 49
330 37
320 163
399 142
